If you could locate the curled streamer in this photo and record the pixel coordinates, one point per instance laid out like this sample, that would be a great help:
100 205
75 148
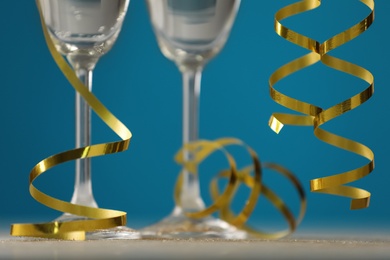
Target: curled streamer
221 200
98 218
316 116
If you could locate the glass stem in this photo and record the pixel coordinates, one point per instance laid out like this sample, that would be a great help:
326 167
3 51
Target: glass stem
190 196
83 186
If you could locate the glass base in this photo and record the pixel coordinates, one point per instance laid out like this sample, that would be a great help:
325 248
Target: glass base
120 232
179 226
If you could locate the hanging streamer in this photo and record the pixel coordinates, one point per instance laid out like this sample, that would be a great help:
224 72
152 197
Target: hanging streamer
316 116
98 218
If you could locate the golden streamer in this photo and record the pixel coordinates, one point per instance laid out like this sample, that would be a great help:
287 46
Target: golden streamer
316 116
202 149
99 218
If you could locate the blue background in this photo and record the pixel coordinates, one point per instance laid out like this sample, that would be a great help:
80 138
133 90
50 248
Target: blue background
143 89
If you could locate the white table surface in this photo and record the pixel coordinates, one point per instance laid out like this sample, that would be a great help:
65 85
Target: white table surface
295 247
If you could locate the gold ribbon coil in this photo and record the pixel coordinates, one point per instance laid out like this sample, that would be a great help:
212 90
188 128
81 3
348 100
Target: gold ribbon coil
98 218
316 116
202 149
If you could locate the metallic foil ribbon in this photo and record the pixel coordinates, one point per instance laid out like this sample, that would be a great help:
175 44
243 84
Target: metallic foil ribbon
202 149
316 116
98 218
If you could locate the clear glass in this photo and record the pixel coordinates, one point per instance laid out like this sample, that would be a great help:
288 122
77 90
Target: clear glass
83 31
190 33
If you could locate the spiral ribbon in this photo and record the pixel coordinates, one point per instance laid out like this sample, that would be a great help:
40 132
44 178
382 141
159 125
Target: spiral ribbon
201 149
98 218
316 116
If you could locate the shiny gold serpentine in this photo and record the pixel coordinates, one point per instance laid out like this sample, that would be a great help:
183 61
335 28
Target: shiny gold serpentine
316 116
202 149
99 218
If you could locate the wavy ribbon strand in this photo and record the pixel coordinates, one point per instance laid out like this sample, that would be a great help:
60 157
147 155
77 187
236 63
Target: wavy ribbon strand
100 218
316 116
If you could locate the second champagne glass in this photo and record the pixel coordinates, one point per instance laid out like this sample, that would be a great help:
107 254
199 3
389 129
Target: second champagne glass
83 31
190 33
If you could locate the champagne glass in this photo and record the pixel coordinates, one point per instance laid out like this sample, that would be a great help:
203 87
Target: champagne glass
83 31
190 33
